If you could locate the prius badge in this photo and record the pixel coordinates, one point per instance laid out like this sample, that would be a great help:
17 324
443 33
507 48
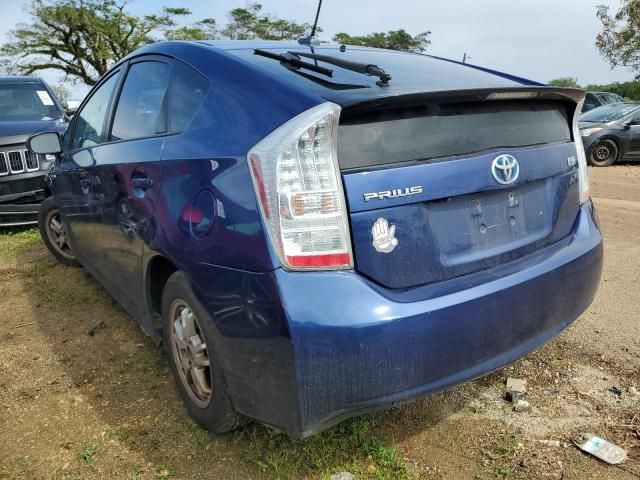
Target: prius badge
384 236
395 193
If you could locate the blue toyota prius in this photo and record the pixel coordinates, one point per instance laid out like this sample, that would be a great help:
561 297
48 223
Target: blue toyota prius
312 232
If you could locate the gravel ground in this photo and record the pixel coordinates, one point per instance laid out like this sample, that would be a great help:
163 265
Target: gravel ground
84 394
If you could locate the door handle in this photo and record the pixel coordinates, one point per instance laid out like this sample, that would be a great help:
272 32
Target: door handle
142 182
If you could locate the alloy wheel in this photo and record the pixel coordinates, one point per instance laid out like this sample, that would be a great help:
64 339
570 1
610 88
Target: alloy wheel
57 234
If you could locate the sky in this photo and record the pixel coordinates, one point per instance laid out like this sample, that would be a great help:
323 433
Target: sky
541 40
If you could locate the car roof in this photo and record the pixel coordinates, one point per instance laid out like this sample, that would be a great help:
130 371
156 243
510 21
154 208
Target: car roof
395 62
20 79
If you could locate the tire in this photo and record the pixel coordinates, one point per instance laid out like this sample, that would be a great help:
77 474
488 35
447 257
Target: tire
603 154
213 409
53 233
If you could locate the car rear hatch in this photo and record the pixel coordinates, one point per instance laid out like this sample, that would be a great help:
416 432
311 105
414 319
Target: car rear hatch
427 201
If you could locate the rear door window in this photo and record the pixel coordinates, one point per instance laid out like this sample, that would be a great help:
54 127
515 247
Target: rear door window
188 89
142 107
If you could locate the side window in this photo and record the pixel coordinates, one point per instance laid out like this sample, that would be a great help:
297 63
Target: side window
590 101
90 120
141 110
188 89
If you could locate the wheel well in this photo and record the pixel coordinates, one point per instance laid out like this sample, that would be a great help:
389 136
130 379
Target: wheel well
159 272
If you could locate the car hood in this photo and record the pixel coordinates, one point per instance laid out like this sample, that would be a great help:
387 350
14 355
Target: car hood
17 132
594 124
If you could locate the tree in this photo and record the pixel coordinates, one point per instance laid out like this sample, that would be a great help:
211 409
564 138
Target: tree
619 41
81 38
393 39
249 23
628 90
61 92
206 29
565 82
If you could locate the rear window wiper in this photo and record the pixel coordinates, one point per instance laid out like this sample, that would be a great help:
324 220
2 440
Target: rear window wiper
365 68
293 60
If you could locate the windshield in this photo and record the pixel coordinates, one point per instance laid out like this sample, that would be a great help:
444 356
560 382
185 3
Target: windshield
26 101
609 113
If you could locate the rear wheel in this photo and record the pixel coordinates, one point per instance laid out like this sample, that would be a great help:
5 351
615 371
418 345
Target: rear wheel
188 333
54 234
603 154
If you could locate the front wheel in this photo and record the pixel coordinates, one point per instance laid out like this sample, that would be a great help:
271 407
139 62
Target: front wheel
54 234
188 334
603 154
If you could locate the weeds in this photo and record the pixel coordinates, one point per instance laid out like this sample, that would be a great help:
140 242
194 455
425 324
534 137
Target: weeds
87 452
350 446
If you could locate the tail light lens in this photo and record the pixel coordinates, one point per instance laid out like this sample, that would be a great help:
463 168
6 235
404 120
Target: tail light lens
297 181
583 174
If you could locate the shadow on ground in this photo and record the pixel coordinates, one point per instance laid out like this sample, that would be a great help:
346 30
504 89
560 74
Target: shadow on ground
113 376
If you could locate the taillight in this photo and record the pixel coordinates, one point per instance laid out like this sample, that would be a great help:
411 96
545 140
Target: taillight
297 181
583 175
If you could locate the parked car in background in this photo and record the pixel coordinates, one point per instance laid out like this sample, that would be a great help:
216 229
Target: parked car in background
611 133
27 106
598 99
313 232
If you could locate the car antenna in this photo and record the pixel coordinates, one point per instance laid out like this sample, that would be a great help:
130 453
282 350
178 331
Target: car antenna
311 40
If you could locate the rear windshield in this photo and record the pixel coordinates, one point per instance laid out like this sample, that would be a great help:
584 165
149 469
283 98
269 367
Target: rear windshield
26 102
444 130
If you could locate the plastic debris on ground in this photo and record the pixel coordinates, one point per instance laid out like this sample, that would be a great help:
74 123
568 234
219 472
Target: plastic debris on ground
342 476
516 390
600 448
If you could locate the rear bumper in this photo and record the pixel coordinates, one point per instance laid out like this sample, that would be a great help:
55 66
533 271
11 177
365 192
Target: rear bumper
357 347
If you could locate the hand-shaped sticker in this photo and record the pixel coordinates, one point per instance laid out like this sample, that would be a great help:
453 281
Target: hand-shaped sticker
384 239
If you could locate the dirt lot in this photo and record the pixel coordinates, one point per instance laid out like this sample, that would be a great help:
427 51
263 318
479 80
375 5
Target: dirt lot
84 394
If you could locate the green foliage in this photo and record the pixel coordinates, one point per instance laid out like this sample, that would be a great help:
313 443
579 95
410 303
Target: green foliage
87 452
206 29
627 90
393 39
81 38
565 82
244 24
250 23
350 446
619 41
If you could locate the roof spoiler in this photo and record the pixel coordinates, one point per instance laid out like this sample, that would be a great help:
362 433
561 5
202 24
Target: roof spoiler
574 95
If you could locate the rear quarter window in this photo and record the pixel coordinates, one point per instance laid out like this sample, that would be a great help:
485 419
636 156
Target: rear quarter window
188 89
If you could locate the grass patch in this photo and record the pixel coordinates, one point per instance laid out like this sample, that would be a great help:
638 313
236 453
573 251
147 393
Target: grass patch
51 283
28 393
87 452
350 446
59 286
504 457
13 241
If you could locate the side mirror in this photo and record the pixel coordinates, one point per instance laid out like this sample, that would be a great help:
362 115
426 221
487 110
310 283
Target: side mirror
45 143
72 107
